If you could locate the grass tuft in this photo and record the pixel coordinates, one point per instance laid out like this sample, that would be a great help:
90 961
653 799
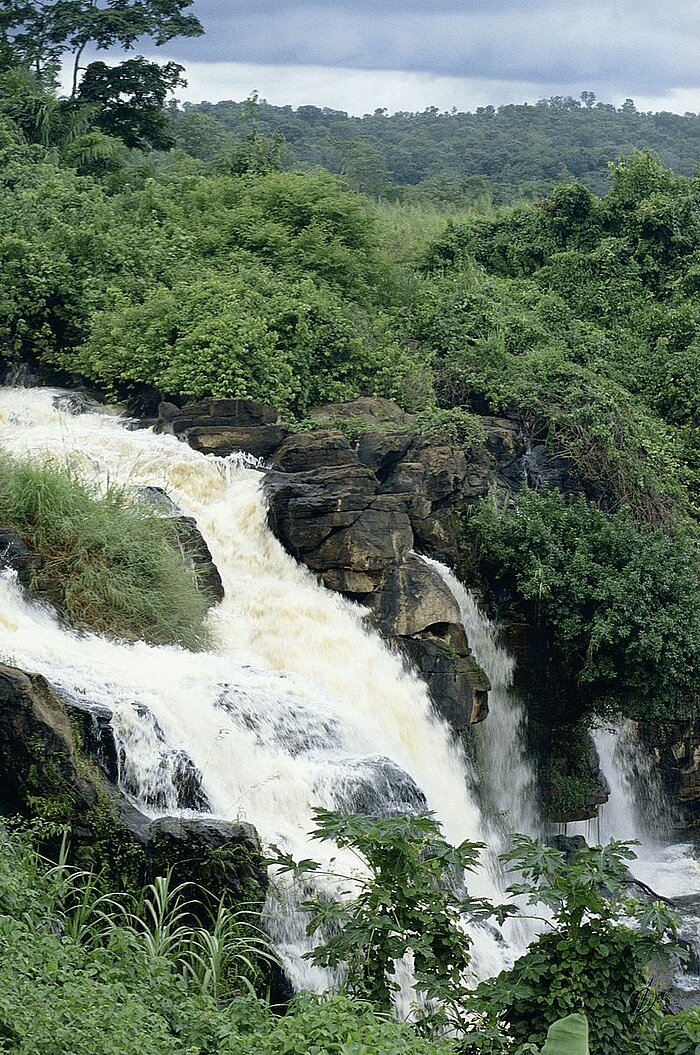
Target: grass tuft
111 565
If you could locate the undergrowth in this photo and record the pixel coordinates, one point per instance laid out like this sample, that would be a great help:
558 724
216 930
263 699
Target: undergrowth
86 971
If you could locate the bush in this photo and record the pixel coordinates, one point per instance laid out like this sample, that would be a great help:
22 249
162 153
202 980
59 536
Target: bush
111 565
245 332
619 598
592 961
83 970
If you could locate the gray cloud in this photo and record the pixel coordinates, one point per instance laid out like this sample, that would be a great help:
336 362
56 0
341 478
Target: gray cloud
639 44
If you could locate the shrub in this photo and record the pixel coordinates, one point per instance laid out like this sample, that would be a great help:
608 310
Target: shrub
592 961
618 597
409 898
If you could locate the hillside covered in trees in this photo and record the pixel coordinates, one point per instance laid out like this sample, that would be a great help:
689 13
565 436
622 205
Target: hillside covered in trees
495 154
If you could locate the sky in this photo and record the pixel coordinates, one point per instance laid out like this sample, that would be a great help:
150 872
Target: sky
357 55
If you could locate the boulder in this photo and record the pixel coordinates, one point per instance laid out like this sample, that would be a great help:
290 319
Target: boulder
412 598
319 449
219 856
76 403
333 521
380 451
458 686
223 440
236 413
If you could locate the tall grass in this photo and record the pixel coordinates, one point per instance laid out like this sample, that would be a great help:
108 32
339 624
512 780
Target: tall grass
84 971
406 229
111 565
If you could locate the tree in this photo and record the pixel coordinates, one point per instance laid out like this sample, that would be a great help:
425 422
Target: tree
409 898
40 33
130 98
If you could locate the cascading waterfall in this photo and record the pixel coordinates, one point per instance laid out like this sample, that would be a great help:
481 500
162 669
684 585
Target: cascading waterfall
297 705
505 777
504 766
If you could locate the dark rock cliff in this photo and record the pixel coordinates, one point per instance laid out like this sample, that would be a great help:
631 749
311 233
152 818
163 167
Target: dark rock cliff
59 765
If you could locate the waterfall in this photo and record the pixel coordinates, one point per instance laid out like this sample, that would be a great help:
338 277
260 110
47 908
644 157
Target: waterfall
505 772
298 704
637 809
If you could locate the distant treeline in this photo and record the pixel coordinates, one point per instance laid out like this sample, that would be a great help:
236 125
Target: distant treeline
456 158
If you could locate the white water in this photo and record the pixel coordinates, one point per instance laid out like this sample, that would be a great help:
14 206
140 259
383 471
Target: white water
504 766
670 868
298 705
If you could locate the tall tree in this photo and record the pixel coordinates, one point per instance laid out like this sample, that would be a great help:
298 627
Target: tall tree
42 33
129 100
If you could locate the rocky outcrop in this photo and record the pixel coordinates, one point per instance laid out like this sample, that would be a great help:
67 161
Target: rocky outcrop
222 426
333 513
334 521
190 540
353 511
58 762
415 610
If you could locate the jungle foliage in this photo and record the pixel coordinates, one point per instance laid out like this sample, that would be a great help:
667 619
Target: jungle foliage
85 968
455 159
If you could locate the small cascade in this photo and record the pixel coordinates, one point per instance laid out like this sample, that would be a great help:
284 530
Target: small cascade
505 778
505 773
297 705
637 809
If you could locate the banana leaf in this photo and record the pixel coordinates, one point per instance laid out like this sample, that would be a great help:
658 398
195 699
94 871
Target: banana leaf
568 1036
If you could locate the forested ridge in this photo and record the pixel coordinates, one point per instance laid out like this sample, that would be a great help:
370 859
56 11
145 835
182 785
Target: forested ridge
533 264
494 154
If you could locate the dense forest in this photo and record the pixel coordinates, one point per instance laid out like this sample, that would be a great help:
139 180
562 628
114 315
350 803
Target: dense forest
492 155
536 263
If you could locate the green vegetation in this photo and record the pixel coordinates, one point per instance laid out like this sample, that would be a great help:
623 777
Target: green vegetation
85 970
407 896
591 960
453 160
402 904
618 595
111 564
212 269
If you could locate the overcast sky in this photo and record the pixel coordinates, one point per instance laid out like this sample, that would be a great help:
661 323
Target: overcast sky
357 55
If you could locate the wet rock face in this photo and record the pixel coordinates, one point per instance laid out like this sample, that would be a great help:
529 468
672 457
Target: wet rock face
191 542
48 750
218 856
15 554
676 749
335 522
37 748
